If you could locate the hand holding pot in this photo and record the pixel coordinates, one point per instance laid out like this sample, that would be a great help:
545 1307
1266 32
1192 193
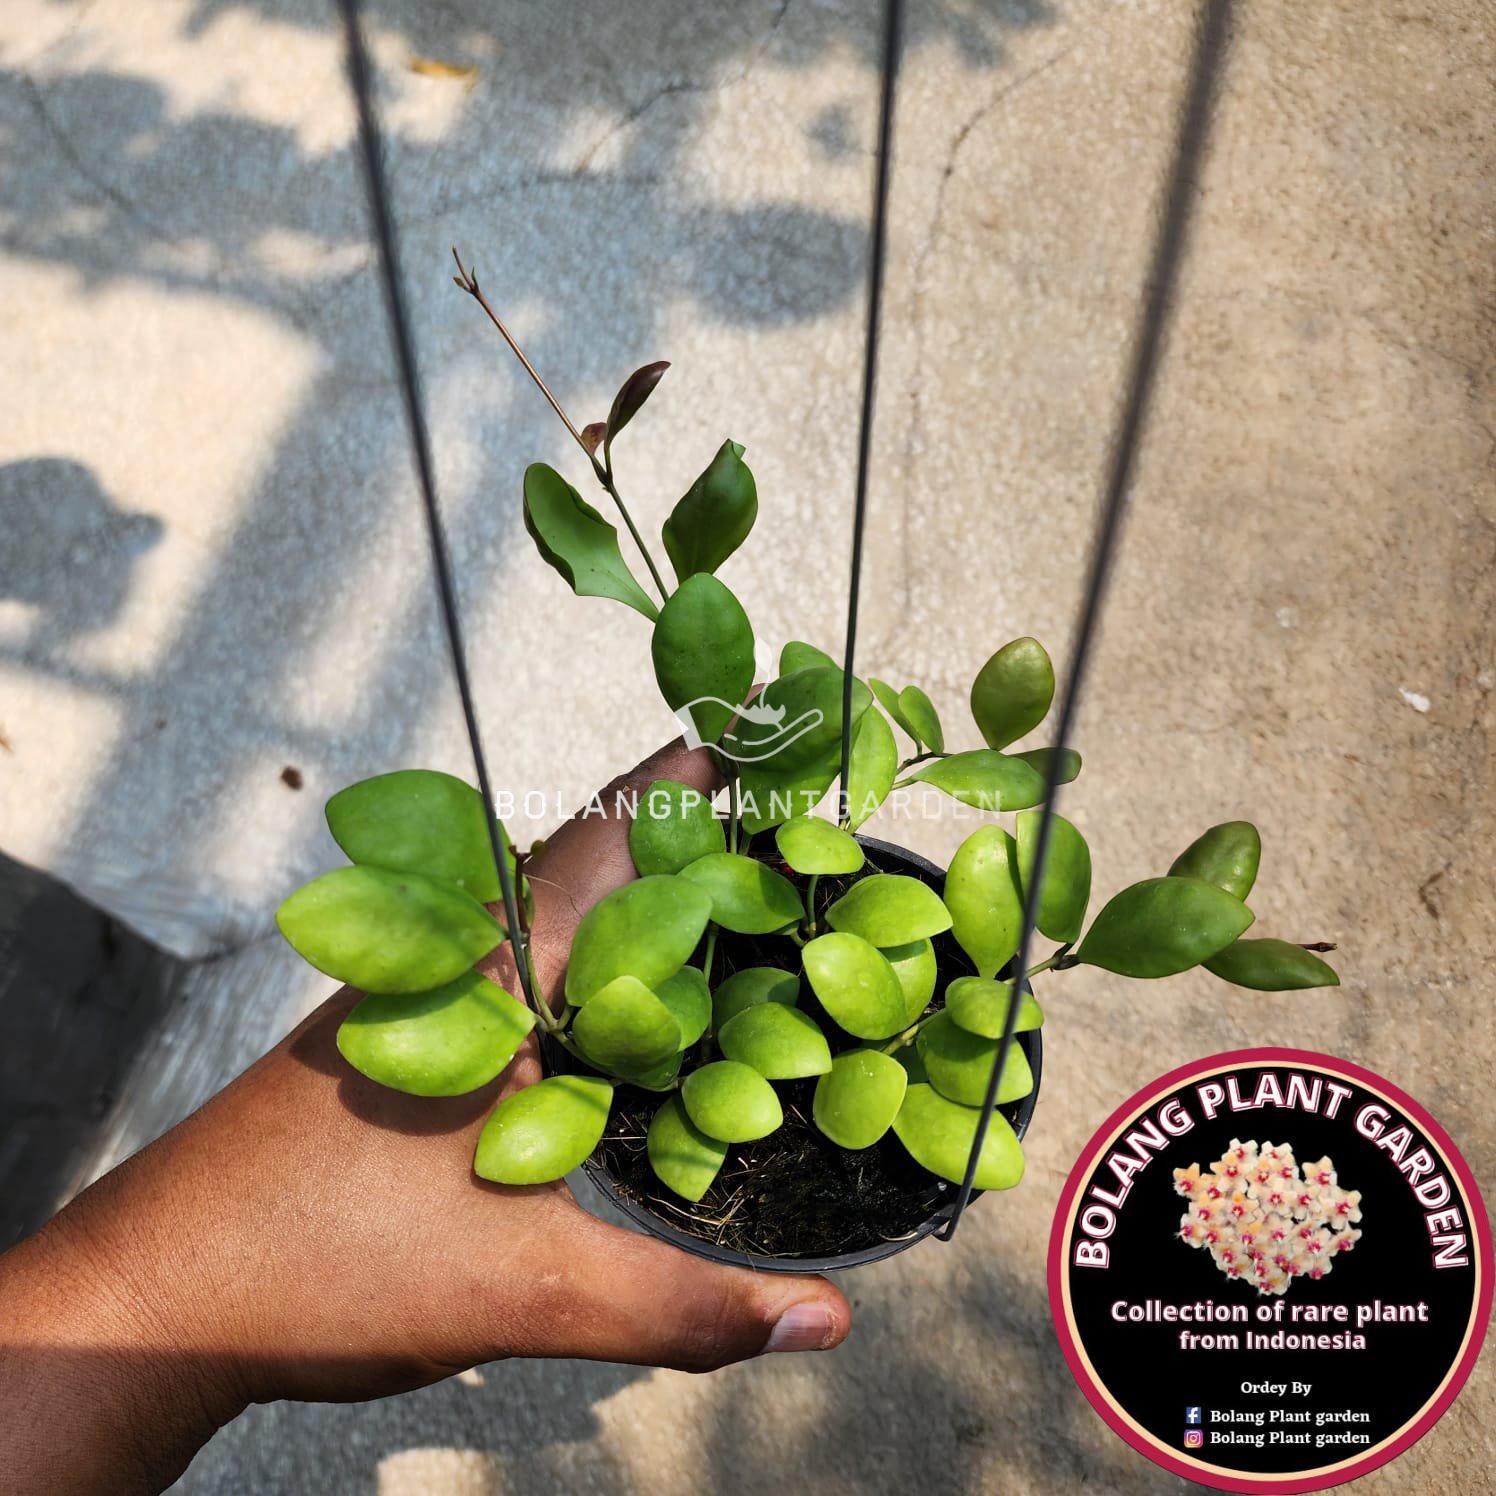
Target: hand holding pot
310 1234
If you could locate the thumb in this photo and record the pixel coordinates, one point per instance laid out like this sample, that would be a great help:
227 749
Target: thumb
633 1299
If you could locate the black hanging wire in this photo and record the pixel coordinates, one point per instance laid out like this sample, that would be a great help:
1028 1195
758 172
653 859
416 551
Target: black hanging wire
877 254
1168 252
405 357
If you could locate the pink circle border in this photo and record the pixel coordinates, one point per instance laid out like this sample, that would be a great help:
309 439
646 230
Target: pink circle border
1153 1449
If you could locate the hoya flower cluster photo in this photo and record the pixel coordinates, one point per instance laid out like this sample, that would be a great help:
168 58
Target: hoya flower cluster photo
1265 1218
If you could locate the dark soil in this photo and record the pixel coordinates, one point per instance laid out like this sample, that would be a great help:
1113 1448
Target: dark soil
794 1193
791 1194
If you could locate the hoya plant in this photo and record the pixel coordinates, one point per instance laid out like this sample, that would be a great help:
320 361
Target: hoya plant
761 959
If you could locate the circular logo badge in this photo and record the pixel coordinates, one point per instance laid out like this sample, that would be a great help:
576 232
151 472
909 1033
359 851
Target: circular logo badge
1270 1271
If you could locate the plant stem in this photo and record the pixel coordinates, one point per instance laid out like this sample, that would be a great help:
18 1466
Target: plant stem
734 810
810 904
605 477
1048 965
919 758
543 1010
467 280
711 952
908 1036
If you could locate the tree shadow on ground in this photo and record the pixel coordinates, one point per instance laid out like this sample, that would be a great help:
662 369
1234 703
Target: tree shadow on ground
61 533
597 238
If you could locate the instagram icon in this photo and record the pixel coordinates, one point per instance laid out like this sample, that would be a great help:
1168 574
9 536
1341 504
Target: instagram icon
1194 1438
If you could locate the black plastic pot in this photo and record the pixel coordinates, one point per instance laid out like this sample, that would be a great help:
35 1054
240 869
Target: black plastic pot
952 964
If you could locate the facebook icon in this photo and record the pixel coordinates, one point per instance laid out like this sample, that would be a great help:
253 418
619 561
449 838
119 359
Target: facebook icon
1192 1416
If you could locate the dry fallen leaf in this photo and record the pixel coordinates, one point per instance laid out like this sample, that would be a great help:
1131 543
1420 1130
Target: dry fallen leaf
433 67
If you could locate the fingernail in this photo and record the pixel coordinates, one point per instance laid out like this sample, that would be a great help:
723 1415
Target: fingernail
802 1327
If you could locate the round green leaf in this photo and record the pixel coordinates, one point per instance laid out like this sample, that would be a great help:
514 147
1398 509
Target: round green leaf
1038 759
915 966
714 517
1226 855
625 1029
984 779
578 542
731 1101
780 1043
959 1063
797 655
702 649
856 985
980 1006
919 712
983 895
754 984
939 1134
1271 966
811 845
683 1157
889 909
858 1098
543 1132
689 1000
747 896
1162 926
1067 875
873 768
387 932
673 826
445 1042
418 821
646 929
1012 692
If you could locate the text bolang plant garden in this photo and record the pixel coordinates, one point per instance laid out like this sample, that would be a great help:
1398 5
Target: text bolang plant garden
772 994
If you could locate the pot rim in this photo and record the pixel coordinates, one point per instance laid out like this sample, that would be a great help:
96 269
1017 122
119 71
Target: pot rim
641 1215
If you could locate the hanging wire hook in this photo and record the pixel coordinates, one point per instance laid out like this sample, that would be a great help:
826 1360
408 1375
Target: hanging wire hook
877 255
420 440
1168 252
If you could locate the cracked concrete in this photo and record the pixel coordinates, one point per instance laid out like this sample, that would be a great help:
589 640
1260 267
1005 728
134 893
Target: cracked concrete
194 338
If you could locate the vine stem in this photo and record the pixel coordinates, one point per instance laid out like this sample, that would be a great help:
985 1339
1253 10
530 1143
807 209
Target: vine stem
919 758
810 904
899 1041
711 952
467 280
606 477
543 1010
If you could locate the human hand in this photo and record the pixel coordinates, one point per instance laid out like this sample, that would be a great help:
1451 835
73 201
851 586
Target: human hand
310 1234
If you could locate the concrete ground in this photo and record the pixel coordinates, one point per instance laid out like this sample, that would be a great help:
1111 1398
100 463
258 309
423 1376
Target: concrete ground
212 568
